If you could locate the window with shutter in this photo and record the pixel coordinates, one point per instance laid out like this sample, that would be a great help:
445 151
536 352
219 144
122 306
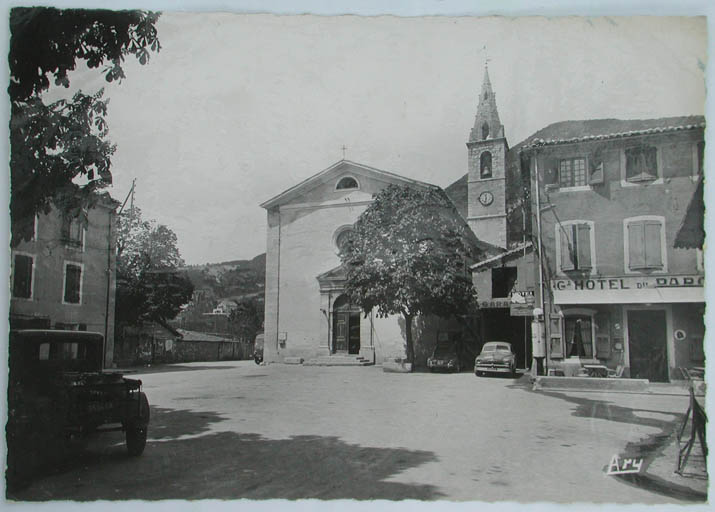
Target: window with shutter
641 164
22 276
645 245
567 249
73 284
653 258
576 247
583 245
72 231
597 174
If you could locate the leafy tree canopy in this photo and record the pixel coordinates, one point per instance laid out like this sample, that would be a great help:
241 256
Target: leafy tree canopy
150 285
51 145
408 254
247 319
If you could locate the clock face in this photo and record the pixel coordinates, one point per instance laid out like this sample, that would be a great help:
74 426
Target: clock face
486 198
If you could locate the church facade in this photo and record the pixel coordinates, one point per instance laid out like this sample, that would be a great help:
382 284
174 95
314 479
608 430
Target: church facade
308 316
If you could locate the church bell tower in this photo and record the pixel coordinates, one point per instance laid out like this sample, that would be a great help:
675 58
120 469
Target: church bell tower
486 182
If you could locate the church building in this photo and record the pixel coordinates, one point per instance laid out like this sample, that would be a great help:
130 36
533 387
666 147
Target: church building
308 317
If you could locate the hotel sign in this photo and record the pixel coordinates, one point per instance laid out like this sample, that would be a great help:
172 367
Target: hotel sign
629 289
628 283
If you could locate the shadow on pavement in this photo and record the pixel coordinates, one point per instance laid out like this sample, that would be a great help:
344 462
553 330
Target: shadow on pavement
166 368
228 465
648 448
172 423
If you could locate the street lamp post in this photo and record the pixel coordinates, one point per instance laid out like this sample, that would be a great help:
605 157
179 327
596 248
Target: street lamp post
540 347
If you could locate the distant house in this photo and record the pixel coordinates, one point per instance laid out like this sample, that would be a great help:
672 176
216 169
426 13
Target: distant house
225 307
64 276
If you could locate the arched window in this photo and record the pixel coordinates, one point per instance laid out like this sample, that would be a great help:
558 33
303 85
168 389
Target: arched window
485 130
485 165
347 182
486 95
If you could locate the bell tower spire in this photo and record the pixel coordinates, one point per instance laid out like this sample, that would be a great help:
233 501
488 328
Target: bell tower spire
486 123
486 183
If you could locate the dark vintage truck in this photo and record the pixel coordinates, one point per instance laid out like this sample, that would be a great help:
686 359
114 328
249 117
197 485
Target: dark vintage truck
59 393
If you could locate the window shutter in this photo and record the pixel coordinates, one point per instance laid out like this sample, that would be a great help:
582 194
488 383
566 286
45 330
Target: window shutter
566 236
597 175
636 246
603 335
653 257
73 278
583 237
550 171
651 161
555 336
65 229
22 277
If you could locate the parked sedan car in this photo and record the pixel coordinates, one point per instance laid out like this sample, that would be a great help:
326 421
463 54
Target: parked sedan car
444 357
495 357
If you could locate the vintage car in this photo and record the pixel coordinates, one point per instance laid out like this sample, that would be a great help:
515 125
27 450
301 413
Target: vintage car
258 348
495 357
444 357
58 394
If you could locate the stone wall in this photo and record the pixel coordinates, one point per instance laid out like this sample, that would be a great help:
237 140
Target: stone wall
153 344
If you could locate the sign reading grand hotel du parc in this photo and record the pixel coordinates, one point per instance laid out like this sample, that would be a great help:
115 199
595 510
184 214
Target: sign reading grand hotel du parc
628 283
660 288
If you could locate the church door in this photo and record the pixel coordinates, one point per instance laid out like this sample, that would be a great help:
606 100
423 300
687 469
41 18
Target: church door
346 327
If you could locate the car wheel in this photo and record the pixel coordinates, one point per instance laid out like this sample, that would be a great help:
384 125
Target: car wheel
136 430
136 439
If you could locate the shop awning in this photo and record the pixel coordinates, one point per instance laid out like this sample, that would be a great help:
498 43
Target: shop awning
642 296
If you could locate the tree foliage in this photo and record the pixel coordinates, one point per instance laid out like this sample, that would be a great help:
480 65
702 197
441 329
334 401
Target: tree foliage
150 285
52 145
247 319
408 254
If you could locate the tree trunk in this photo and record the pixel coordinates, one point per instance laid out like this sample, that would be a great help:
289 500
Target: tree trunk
410 345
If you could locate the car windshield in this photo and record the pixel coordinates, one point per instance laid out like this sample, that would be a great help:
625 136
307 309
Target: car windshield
494 347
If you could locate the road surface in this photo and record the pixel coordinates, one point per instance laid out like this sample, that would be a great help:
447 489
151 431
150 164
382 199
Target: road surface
237 430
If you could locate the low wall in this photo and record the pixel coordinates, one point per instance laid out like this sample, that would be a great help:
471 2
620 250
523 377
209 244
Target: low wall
189 351
137 346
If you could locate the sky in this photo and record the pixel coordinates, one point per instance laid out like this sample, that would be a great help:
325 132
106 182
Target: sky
237 108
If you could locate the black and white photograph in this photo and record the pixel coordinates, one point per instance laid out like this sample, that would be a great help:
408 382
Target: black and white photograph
336 255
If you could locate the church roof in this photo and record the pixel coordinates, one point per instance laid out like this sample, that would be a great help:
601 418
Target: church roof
335 169
486 121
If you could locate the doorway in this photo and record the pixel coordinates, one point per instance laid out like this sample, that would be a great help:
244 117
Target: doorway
647 345
499 325
346 327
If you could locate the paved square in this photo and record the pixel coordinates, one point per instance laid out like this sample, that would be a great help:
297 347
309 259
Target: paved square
237 430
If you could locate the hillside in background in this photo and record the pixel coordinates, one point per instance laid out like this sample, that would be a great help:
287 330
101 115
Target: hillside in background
215 286
230 280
